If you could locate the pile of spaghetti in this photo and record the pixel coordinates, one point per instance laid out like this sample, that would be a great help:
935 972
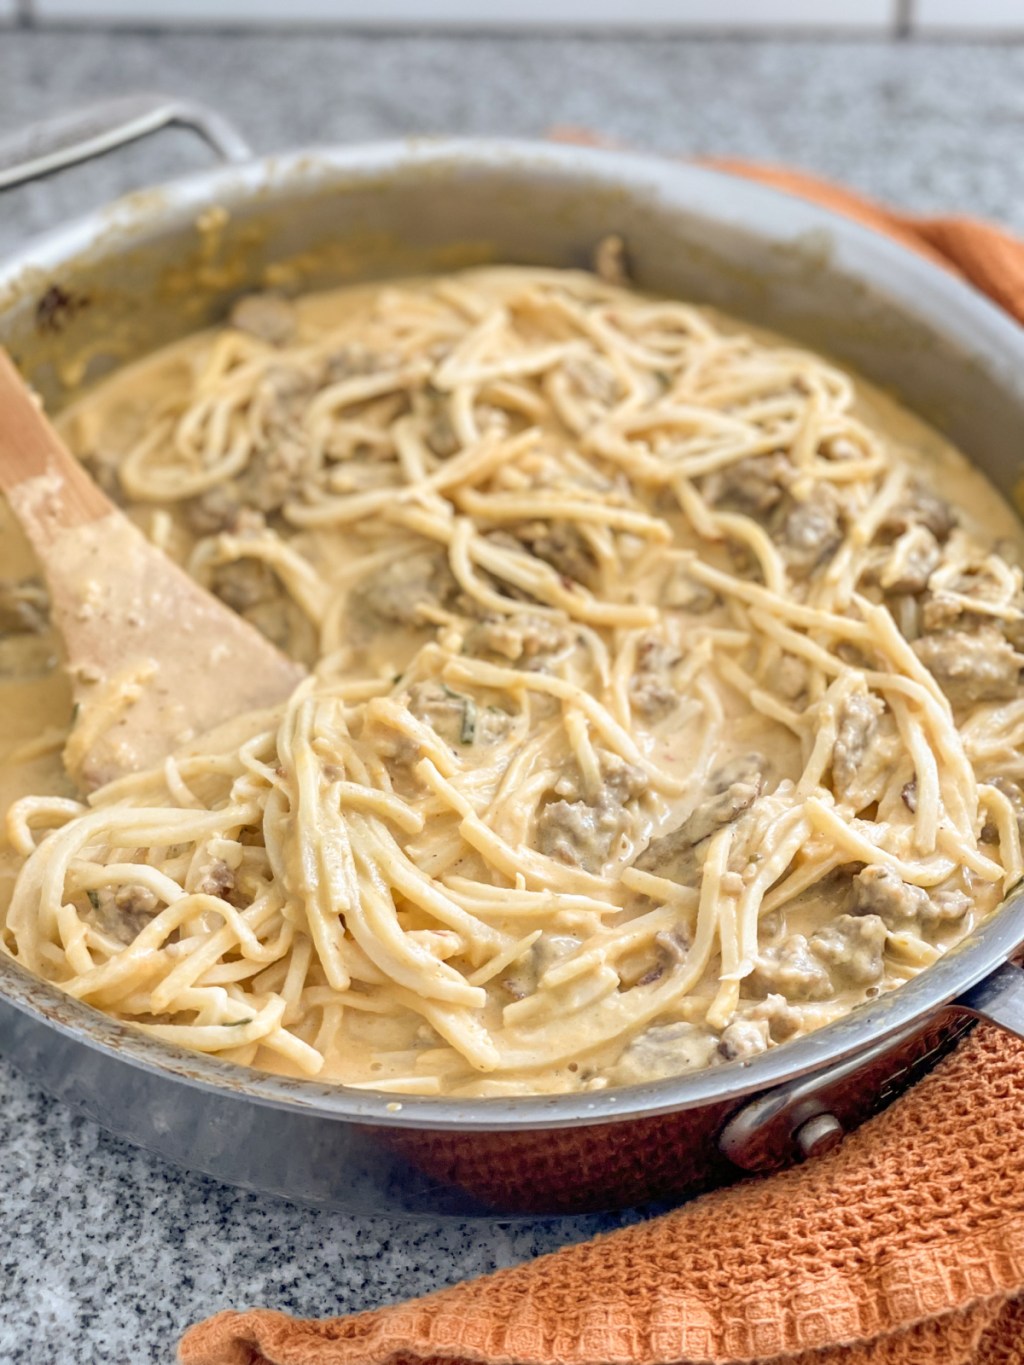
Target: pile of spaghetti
659 709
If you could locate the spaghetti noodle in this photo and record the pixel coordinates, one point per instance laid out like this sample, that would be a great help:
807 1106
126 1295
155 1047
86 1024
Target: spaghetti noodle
659 710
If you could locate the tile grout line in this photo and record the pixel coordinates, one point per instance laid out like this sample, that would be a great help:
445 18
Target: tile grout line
795 16
903 18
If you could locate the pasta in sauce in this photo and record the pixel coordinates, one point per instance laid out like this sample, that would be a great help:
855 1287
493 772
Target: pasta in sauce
660 708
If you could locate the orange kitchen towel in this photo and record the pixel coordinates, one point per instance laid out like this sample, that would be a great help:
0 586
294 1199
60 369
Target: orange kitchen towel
904 1246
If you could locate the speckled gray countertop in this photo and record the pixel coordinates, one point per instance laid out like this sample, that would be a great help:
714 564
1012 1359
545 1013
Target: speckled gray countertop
107 1254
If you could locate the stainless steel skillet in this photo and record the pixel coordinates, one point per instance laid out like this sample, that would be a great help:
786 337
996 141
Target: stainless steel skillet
165 261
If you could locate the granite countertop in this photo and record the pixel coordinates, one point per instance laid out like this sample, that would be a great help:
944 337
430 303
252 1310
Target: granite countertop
107 1252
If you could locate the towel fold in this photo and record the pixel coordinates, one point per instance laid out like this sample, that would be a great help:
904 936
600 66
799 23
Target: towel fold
904 1246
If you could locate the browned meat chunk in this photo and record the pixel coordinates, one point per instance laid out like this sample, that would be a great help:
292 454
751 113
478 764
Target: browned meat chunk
731 790
275 474
579 833
524 976
744 1037
218 509
561 545
284 394
354 360
524 637
852 945
278 466
755 486
585 832
792 970
243 583
807 530
857 731
811 531
122 913
735 785
610 261
26 644
267 317
251 588
623 780
960 602
972 667
664 1050
651 690
940 612
921 507
218 879
592 387
648 964
593 378
878 891
910 563
24 606
782 1018
400 593
949 904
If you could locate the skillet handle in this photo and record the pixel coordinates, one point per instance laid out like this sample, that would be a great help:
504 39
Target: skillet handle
66 140
810 1115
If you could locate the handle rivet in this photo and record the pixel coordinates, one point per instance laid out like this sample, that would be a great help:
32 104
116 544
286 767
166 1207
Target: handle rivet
819 1135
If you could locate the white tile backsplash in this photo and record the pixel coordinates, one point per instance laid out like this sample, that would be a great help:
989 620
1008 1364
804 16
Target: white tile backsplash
764 14
966 16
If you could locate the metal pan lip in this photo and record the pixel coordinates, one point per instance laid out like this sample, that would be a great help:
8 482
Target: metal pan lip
910 283
892 1015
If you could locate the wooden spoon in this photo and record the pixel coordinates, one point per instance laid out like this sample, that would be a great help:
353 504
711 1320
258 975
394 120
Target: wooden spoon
154 659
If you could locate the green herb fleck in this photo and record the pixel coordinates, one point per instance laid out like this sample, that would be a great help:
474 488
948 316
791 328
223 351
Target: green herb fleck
94 899
237 1023
468 732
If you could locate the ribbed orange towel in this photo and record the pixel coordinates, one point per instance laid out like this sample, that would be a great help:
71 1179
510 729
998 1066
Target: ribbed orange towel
905 1246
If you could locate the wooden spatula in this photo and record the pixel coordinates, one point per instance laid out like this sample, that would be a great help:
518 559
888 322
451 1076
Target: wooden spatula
154 659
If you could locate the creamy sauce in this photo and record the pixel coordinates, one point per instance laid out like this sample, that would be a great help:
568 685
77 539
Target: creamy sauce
324 582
